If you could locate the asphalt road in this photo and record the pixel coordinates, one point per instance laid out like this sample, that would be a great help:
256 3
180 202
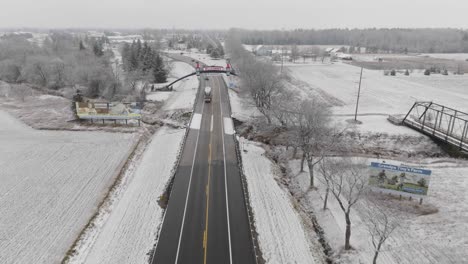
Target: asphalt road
206 218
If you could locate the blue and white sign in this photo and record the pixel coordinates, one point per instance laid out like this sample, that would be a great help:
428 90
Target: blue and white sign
399 179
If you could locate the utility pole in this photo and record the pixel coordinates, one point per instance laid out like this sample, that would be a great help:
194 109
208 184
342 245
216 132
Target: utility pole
359 93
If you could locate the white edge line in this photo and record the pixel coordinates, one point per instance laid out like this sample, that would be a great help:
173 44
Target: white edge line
225 173
182 150
188 192
243 194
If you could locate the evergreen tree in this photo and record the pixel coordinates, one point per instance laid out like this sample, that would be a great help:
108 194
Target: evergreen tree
214 53
97 49
146 57
159 72
133 57
82 47
138 49
126 50
209 49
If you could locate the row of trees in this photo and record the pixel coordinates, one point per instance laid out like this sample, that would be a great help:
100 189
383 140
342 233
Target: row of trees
375 40
63 60
308 128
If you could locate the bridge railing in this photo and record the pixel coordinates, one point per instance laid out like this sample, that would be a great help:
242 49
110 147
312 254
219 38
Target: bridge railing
445 123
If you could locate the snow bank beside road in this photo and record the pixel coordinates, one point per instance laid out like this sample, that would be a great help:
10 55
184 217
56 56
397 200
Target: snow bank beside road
243 109
128 233
51 184
282 236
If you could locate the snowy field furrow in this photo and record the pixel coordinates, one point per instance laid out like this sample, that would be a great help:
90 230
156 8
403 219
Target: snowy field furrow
281 236
51 185
128 233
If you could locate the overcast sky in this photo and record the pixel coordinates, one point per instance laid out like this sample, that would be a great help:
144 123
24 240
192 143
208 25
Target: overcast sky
254 14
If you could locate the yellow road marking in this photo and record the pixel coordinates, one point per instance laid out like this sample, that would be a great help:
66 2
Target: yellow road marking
205 233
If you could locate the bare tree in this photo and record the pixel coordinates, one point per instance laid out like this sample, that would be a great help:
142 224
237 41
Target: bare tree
57 72
282 104
294 53
328 167
311 123
348 185
10 70
22 91
37 71
380 221
263 81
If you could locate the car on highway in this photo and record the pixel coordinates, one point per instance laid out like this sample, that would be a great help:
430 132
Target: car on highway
206 78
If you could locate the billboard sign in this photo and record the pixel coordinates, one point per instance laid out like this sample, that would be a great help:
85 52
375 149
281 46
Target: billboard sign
89 110
399 179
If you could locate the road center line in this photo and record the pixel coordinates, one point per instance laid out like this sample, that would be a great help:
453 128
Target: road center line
188 192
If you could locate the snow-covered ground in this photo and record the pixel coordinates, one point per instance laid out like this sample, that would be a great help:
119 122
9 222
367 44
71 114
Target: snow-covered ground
126 230
203 57
439 237
127 225
37 110
447 56
384 57
51 185
184 93
241 107
281 232
381 95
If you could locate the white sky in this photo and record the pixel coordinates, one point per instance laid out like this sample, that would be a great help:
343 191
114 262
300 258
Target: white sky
222 14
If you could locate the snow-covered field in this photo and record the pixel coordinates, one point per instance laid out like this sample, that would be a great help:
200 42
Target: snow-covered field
37 110
281 232
447 56
381 95
51 185
439 237
375 57
126 230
